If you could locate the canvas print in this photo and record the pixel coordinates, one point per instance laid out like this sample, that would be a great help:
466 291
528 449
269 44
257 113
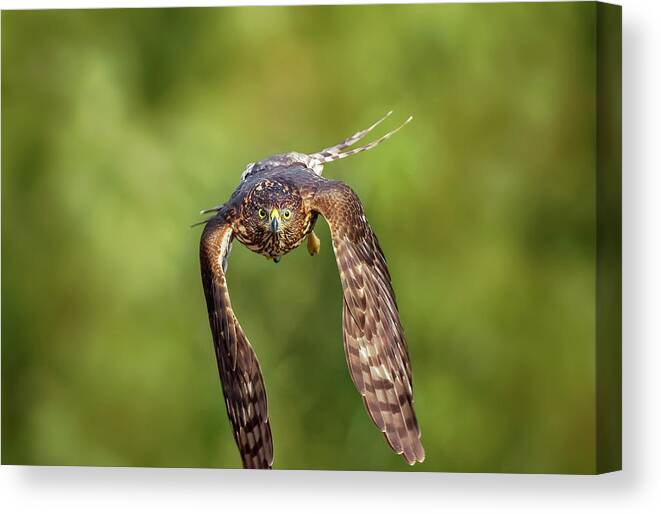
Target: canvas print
423 203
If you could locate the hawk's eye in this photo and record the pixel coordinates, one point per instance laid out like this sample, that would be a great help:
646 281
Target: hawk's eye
286 214
261 213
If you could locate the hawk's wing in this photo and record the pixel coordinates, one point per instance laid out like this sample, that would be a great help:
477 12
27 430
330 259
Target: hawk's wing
373 337
243 385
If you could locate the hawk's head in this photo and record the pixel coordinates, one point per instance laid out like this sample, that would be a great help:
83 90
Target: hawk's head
274 220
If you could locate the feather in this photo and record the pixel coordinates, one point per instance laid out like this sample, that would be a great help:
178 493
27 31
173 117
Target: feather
374 343
336 152
240 374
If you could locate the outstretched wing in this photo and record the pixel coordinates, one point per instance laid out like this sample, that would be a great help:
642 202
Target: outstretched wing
373 337
243 385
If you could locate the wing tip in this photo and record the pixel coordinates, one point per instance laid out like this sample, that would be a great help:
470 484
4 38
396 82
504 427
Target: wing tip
414 451
415 459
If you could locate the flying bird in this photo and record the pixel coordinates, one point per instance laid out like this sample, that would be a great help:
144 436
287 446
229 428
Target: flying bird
272 211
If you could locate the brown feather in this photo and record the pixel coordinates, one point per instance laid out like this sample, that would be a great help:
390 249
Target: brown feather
240 374
374 341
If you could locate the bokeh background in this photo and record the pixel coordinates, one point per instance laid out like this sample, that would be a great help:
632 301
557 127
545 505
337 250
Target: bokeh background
118 126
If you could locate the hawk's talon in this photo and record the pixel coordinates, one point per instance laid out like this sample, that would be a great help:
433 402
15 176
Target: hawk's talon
314 244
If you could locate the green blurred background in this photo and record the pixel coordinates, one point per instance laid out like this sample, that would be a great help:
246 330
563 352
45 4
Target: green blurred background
118 126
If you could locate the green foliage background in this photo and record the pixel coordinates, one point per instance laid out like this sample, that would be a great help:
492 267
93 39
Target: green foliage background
118 126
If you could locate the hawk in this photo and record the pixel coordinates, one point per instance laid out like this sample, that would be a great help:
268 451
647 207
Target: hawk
273 209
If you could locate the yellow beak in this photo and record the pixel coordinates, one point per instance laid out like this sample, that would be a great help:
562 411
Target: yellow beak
274 218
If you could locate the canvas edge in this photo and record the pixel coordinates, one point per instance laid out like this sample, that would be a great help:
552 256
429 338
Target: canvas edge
609 238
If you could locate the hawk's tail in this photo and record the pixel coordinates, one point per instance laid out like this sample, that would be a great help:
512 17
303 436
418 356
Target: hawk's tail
334 153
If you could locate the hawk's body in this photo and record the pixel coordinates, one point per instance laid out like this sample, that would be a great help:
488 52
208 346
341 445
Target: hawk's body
290 187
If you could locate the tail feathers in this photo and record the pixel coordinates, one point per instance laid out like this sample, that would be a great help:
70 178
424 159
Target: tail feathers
337 152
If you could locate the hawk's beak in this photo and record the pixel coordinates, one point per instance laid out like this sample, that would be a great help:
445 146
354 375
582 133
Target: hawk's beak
275 220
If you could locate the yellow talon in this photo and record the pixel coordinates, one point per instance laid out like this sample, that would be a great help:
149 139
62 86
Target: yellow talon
313 244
